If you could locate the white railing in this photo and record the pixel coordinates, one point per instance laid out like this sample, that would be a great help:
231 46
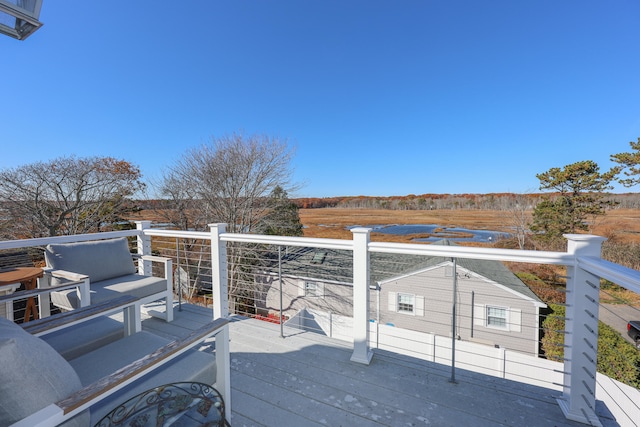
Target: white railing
584 269
582 262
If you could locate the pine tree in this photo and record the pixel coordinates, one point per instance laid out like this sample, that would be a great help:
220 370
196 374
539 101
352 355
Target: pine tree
283 218
579 195
630 163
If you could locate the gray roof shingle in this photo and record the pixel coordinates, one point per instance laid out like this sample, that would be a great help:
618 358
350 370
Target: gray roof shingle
336 266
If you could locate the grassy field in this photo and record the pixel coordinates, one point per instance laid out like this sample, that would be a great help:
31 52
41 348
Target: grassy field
621 224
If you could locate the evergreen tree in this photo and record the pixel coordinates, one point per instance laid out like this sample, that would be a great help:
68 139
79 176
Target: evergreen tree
283 218
579 195
630 163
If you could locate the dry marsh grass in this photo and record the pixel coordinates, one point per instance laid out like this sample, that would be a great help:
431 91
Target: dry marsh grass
620 224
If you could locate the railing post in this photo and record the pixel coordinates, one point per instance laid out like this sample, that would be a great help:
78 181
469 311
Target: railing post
219 286
144 247
581 337
361 351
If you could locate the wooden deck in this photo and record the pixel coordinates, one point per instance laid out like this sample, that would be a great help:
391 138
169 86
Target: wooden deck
307 379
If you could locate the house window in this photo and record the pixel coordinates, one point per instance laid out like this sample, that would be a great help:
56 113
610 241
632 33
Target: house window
406 303
312 289
497 317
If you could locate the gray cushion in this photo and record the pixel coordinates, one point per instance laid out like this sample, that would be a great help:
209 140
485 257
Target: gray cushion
84 337
133 284
33 376
99 259
192 365
111 357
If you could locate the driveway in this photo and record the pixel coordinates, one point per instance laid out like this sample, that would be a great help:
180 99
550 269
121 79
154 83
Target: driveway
617 316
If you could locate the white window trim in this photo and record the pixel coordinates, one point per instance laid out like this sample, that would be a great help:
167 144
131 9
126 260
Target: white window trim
413 303
319 289
418 304
479 315
515 320
506 317
514 317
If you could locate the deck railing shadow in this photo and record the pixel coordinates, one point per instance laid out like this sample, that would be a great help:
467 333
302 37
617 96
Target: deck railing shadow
214 261
314 372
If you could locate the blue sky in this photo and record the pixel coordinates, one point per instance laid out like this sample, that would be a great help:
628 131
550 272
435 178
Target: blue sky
378 97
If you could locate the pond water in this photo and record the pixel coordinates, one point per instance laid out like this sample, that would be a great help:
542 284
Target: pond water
439 232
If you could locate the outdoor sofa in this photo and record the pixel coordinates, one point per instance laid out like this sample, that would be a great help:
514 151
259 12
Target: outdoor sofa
108 270
39 385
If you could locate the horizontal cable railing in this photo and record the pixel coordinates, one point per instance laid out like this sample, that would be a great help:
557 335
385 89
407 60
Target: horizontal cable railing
311 287
492 321
615 343
324 279
502 329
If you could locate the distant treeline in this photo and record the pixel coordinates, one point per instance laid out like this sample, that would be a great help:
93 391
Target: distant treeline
492 201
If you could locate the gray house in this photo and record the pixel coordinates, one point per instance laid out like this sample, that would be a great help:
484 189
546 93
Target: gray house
493 306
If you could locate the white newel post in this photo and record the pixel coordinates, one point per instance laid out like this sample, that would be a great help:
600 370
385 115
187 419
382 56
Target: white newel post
219 286
361 351
578 400
144 247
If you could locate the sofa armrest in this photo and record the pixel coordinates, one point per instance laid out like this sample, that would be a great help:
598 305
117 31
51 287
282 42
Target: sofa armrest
39 291
168 262
62 320
63 410
153 258
63 274
83 291
168 276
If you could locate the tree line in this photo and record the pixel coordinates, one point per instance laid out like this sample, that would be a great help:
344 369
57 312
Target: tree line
244 181
489 201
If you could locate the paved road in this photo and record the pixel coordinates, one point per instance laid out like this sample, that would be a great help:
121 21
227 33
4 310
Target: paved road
617 316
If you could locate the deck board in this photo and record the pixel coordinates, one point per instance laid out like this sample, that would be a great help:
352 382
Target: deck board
314 371
307 379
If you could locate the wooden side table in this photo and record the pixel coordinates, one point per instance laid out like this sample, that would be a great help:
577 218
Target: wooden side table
28 276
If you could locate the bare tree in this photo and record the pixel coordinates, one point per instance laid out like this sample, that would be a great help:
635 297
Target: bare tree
233 176
519 217
185 211
67 195
231 180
